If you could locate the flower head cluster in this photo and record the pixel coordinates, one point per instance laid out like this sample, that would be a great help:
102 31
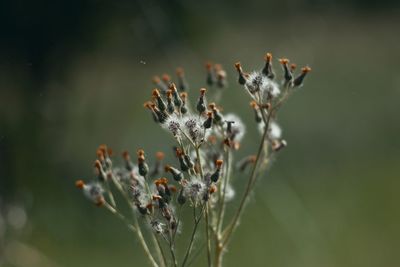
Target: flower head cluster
205 142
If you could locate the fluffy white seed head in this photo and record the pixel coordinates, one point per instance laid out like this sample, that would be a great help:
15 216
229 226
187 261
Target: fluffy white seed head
173 124
274 131
257 82
194 128
238 127
94 192
195 189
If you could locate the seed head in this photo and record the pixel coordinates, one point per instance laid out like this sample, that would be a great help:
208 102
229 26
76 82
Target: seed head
267 70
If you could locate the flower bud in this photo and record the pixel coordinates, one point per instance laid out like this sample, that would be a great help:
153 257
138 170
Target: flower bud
242 78
201 105
160 102
215 176
181 197
142 165
287 72
208 122
176 174
184 109
267 70
170 104
299 79
211 79
177 99
182 83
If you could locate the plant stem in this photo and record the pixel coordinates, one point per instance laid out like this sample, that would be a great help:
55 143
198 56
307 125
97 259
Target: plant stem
196 223
231 227
160 251
206 209
227 177
208 237
144 244
136 229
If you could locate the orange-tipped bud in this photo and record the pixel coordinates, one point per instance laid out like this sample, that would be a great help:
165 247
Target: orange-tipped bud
213 189
180 72
238 67
156 79
167 168
103 148
140 152
172 87
156 93
293 67
212 106
268 57
172 188
210 114
149 206
254 104
160 155
284 61
97 164
166 78
100 154
179 152
305 69
219 163
208 65
156 197
126 156
203 91
162 181
150 105
169 94
79 184
184 96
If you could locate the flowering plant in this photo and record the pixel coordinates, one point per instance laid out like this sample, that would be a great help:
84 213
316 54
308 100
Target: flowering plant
201 180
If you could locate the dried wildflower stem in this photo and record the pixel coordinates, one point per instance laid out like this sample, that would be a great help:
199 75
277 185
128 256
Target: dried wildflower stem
197 220
110 195
144 244
207 224
208 240
134 228
231 227
159 249
120 216
223 195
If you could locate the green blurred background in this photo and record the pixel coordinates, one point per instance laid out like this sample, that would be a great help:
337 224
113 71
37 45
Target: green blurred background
74 74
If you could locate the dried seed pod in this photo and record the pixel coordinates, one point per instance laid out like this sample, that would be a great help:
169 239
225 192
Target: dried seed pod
267 70
298 81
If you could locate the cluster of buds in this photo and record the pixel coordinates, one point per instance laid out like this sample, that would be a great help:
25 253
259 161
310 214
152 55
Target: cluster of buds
205 142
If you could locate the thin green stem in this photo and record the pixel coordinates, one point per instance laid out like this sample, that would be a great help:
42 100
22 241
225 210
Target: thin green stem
230 228
134 228
196 224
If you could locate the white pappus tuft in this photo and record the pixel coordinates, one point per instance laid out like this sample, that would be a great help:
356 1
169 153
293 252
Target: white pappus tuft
94 192
195 189
258 82
274 131
238 128
157 226
194 128
173 124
